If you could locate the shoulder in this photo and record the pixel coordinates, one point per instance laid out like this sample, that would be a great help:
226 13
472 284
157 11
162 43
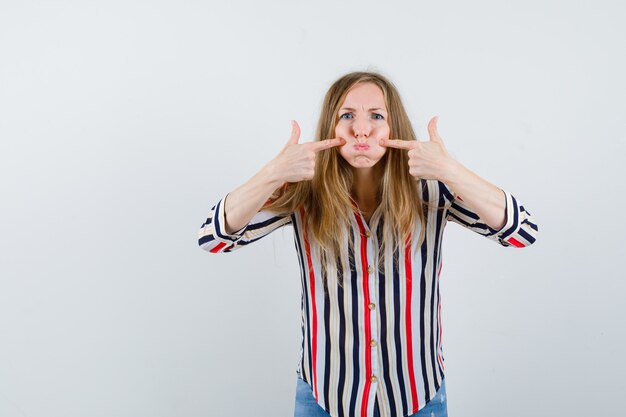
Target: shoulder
435 192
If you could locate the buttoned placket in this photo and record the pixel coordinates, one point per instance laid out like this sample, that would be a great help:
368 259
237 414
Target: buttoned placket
372 273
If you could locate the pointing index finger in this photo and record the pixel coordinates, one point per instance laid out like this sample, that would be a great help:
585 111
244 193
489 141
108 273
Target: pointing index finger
326 144
398 143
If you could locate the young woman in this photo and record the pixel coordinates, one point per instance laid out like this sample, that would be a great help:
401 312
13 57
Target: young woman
368 204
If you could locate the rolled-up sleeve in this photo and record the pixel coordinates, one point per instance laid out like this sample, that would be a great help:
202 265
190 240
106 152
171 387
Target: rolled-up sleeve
213 237
520 229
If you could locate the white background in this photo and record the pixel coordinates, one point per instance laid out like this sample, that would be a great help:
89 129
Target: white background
123 122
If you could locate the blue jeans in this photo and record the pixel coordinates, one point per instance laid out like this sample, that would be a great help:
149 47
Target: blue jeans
306 406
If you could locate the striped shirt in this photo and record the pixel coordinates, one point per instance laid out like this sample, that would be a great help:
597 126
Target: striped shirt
375 340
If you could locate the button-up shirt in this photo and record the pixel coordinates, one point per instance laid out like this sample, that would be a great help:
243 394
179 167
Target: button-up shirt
371 338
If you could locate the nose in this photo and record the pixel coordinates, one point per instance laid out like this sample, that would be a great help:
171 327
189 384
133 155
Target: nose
361 128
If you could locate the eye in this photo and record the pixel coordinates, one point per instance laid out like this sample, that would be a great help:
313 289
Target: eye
378 116
346 116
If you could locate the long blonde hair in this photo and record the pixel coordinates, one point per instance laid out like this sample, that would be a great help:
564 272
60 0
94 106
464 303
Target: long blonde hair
326 199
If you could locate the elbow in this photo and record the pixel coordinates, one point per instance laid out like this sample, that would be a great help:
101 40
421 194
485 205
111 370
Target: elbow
212 245
522 238
206 244
210 240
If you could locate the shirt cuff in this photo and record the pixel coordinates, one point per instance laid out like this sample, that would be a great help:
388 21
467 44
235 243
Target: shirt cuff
219 222
511 217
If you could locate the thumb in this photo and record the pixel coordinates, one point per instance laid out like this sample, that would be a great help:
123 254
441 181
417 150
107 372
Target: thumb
295 133
432 130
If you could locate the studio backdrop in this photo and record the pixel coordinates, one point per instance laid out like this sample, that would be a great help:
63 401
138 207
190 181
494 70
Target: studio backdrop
123 122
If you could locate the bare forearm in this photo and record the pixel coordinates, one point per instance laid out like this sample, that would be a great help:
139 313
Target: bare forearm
294 163
484 198
431 160
245 201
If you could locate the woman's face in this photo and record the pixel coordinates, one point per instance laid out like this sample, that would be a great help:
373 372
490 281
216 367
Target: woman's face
362 123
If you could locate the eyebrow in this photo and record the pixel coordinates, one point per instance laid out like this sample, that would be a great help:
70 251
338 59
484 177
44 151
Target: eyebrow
371 109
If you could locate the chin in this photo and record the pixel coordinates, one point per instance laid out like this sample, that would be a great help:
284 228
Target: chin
362 162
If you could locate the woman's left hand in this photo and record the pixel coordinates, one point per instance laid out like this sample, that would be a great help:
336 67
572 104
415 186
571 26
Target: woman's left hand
428 160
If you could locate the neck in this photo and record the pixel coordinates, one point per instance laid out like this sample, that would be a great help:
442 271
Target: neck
365 187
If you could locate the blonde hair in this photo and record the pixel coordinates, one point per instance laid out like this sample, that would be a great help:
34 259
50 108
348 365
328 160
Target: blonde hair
327 200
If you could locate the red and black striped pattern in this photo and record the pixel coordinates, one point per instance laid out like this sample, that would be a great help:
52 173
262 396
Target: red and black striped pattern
374 340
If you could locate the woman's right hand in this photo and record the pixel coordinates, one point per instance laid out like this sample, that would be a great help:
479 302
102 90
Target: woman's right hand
296 161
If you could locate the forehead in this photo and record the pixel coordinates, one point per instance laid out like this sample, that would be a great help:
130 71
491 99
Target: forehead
365 96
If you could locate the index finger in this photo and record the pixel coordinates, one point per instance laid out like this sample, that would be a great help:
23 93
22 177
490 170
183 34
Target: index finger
326 144
398 143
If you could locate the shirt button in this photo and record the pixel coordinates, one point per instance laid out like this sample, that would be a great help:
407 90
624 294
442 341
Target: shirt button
373 378
371 306
372 342
368 233
370 269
